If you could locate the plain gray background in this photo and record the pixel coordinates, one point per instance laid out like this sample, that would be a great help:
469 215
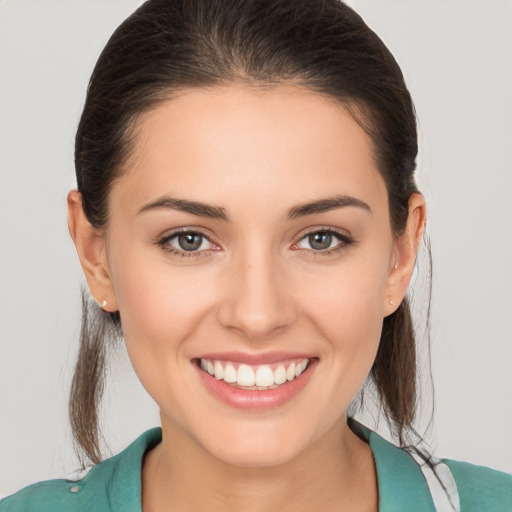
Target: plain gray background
456 57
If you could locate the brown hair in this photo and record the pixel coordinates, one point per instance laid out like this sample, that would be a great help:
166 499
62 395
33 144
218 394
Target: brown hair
168 45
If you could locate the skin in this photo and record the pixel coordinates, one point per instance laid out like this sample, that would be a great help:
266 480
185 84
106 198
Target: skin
257 286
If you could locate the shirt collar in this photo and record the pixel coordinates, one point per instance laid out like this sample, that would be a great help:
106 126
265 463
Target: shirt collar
402 486
400 481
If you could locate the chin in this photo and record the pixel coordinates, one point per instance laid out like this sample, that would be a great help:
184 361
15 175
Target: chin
256 447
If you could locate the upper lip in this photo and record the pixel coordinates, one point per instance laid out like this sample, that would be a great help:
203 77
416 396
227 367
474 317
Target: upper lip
255 359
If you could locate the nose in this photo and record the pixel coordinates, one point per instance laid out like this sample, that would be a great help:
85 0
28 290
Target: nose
257 299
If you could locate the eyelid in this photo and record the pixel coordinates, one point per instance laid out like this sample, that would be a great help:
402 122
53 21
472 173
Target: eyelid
344 237
163 242
173 241
340 233
169 233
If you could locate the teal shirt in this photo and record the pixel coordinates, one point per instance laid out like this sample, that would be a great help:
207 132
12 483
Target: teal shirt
115 484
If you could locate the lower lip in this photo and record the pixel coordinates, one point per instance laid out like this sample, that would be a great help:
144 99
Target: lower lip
256 400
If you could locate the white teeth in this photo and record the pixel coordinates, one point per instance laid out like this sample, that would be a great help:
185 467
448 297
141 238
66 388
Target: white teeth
280 375
261 377
219 370
245 376
264 376
300 368
290 372
229 374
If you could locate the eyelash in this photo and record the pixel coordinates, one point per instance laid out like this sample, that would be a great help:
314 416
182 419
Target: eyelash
344 239
344 242
164 244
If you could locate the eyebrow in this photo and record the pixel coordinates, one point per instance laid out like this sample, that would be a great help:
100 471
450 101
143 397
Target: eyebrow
217 212
184 205
324 205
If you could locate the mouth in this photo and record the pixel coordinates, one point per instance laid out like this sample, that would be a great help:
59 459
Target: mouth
255 383
254 377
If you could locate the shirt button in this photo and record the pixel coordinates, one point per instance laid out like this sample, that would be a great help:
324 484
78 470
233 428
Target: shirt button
75 489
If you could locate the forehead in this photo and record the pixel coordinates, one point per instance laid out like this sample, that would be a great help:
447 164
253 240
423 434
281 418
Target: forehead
284 144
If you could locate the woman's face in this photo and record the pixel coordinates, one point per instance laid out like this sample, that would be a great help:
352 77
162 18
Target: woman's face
250 236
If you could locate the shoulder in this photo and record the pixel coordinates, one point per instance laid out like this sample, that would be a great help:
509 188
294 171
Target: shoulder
481 488
114 484
88 493
410 481
49 496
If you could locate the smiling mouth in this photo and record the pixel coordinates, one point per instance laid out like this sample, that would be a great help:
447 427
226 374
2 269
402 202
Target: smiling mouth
254 377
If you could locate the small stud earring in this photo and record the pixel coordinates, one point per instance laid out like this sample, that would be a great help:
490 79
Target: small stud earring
391 302
104 303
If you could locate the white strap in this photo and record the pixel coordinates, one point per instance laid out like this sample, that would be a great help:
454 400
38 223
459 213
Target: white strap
77 475
441 484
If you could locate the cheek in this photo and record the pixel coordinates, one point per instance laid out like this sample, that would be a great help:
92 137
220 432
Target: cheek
346 308
349 297
160 308
161 312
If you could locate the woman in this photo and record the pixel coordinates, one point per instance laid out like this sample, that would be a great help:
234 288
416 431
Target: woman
247 217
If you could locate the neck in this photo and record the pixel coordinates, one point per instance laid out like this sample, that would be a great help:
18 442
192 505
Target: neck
336 472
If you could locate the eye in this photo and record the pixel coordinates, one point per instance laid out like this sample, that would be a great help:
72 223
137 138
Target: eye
320 241
185 242
325 240
189 241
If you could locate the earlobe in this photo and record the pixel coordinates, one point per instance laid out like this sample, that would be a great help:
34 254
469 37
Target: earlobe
405 251
90 246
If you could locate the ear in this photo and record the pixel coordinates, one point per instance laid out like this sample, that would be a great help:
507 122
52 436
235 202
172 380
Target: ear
90 246
404 257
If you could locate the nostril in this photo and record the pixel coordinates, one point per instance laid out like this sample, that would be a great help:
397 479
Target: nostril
256 301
